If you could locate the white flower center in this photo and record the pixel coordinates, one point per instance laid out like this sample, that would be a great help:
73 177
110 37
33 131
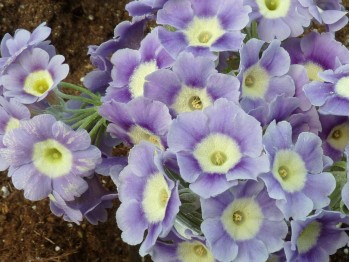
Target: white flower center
217 153
342 87
37 83
308 237
12 124
190 99
242 219
155 198
312 70
273 8
194 251
339 136
51 158
203 31
289 169
255 82
138 77
138 134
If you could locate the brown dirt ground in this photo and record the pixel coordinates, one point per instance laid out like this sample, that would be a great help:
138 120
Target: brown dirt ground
28 230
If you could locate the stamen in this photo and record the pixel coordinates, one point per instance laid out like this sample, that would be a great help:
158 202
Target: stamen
53 154
283 172
237 217
337 134
163 197
249 81
218 158
204 37
200 250
196 103
271 4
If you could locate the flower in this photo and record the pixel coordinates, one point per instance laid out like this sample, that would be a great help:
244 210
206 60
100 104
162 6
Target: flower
334 135
329 12
278 18
141 119
11 113
202 27
144 7
345 189
126 35
149 200
243 224
216 147
296 179
92 204
33 76
331 96
265 77
316 237
46 155
317 52
131 67
193 84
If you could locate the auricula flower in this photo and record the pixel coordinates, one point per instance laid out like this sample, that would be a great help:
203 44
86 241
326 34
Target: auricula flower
46 155
193 84
33 76
316 237
141 119
149 200
317 52
144 7
265 77
345 189
202 27
331 96
296 179
92 204
131 67
216 147
243 224
328 12
11 113
278 18
334 135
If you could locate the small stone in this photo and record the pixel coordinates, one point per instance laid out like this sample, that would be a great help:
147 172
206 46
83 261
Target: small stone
57 248
91 17
346 250
5 192
70 225
82 79
34 207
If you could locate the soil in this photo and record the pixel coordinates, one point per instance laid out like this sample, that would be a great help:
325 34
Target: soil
28 230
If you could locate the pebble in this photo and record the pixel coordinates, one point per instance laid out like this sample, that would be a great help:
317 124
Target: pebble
82 79
5 192
70 225
346 250
91 17
34 207
57 248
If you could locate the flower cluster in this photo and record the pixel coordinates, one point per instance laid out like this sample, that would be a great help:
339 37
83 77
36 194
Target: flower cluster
235 118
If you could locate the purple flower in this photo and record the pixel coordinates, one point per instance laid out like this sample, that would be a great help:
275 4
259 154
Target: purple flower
335 135
46 155
176 249
316 237
149 200
278 18
33 76
194 84
11 113
331 96
141 119
345 189
296 179
317 52
243 224
126 35
144 7
300 78
265 77
92 204
216 147
328 12
131 67
202 27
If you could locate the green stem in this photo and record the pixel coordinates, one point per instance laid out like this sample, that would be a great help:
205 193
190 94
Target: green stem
82 99
86 122
78 117
81 110
79 88
96 127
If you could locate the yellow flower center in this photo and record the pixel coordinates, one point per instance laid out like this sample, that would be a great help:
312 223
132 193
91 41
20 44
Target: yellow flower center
194 251
237 217
342 87
283 172
38 82
195 103
308 237
218 158
312 70
339 136
138 134
272 4
200 250
255 82
12 124
249 81
204 37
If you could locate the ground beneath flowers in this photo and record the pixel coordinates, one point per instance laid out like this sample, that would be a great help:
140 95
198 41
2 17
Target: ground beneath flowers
28 230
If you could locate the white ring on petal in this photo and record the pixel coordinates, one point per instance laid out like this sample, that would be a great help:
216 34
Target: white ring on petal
38 83
194 251
252 218
138 134
312 70
338 138
217 144
281 8
138 77
12 124
308 237
342 87
155 198
259 85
